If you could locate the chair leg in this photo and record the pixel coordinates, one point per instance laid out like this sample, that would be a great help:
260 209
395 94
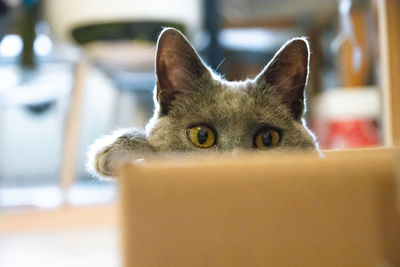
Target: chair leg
72 128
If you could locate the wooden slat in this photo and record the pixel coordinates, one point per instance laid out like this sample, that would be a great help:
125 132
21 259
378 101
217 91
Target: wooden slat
74 116
349 75
389 38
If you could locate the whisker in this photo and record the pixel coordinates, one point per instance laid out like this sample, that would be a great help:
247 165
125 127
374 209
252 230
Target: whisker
219 65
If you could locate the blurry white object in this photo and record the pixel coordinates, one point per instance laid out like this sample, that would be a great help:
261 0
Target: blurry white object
34 142
256 39
42 45
49 82
11 45
348 103
63 16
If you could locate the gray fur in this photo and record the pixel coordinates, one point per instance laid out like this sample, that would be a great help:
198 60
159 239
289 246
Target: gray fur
236 110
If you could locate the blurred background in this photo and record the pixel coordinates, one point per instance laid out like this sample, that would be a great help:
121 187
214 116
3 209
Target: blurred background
72 71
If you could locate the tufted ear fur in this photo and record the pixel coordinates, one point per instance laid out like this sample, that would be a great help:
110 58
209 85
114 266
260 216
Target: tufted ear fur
287 74
177 67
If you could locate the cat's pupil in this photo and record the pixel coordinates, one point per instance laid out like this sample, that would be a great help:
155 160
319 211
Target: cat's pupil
267 138
202 136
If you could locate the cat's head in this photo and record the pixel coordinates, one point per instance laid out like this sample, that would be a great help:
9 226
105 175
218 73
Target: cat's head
198 111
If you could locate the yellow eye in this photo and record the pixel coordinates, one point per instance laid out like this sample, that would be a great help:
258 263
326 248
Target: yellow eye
266 139
201 136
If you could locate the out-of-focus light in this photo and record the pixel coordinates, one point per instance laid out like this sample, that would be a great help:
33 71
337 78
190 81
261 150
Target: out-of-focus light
42 45
11 45
13 3
254 39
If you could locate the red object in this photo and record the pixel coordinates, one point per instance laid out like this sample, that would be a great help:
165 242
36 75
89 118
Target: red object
351 134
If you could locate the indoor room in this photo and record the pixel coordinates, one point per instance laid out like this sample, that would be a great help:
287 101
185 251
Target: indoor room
199 133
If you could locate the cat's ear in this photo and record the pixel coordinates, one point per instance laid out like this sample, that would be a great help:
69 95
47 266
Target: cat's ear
177 67
287 74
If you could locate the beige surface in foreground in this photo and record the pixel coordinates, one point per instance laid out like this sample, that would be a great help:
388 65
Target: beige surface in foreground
78 236
257 210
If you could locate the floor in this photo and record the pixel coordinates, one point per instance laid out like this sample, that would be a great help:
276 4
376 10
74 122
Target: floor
98 246
68 235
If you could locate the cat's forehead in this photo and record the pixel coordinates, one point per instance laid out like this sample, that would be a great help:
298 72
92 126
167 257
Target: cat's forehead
230 103
232 95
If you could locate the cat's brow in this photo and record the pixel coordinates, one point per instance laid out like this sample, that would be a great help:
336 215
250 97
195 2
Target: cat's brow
258 126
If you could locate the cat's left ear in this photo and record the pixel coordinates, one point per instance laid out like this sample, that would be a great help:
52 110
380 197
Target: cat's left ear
178 67
287 74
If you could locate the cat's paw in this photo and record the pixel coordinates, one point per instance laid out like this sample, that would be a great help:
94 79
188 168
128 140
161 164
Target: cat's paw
98 162
101 165
106 154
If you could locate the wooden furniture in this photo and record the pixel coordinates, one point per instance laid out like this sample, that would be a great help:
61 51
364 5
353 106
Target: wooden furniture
260 210
72 131
389 43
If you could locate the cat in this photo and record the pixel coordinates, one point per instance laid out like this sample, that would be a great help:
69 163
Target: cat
196 110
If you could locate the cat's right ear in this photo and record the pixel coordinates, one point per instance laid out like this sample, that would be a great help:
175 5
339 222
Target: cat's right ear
287 75
177 67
